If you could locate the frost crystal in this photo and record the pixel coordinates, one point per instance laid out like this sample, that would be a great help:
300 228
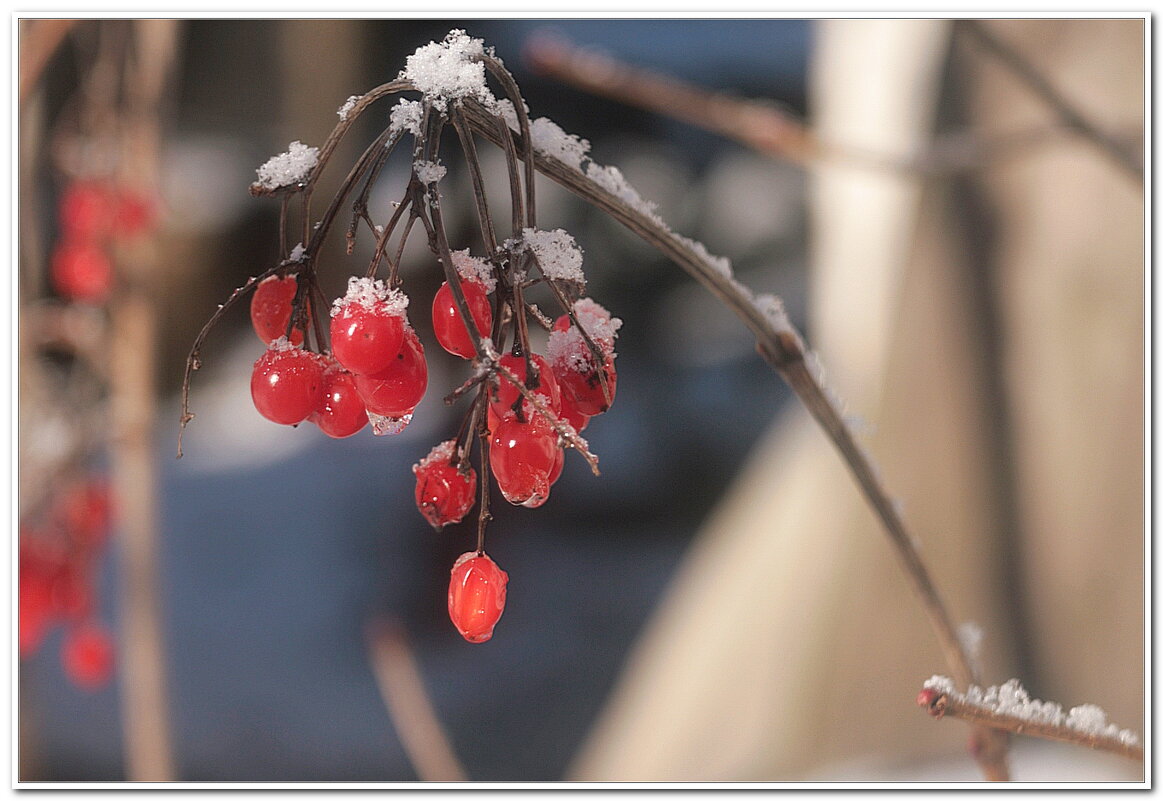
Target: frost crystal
441 453
297 252
429 172
1012 700
371 294
471 268
406 116
719 263
557 253
611 179
346 108
450 69
550 140
290 168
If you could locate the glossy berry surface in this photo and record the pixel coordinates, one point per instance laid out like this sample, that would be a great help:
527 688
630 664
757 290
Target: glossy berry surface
287 384
507 393
270 309
584 385
395 391
80 270
87 654
570 413
341 412
444 493
450 330
522 456
476 596
365 339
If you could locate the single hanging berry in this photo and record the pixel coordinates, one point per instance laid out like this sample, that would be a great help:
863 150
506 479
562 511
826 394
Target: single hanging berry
444 492
287 383
341 411
505 397
87 654
395 390
81 271
270 309
582 381
367 326
476 596
450 330
578 372
522 456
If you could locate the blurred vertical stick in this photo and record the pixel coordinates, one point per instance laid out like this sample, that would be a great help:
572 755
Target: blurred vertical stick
408 705
144 696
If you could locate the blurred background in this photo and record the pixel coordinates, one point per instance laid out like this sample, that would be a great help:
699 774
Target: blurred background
953 216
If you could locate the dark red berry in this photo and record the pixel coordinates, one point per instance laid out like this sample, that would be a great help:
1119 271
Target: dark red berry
341 412
507 393
395 390
522 455
270 309
444 492
476 596
87 653
35 603
450 330
287 383
80 270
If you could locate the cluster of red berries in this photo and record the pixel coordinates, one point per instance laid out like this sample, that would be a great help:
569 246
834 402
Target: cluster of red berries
57 560
92 214
376 371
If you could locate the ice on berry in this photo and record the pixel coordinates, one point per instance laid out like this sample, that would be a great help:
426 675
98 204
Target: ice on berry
449 70
371 293
439 453
290 168
471 268
385 426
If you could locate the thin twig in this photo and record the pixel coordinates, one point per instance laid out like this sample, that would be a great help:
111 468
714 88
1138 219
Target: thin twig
409 706
948 703
782 347
1067 111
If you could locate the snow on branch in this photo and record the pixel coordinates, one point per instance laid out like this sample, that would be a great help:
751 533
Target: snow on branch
1009 707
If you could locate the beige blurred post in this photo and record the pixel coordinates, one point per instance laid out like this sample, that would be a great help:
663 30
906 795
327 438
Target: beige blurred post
736 677
133 407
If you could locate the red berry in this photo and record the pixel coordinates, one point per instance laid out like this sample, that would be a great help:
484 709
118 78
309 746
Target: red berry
581 380
571 415
450 330
506 395
72 595
87 653
35 602
476 596
444 492
558 466
287 383
341 412
85 511
395 390
270 309
522 456
81 271
134 214
366 338
87 210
